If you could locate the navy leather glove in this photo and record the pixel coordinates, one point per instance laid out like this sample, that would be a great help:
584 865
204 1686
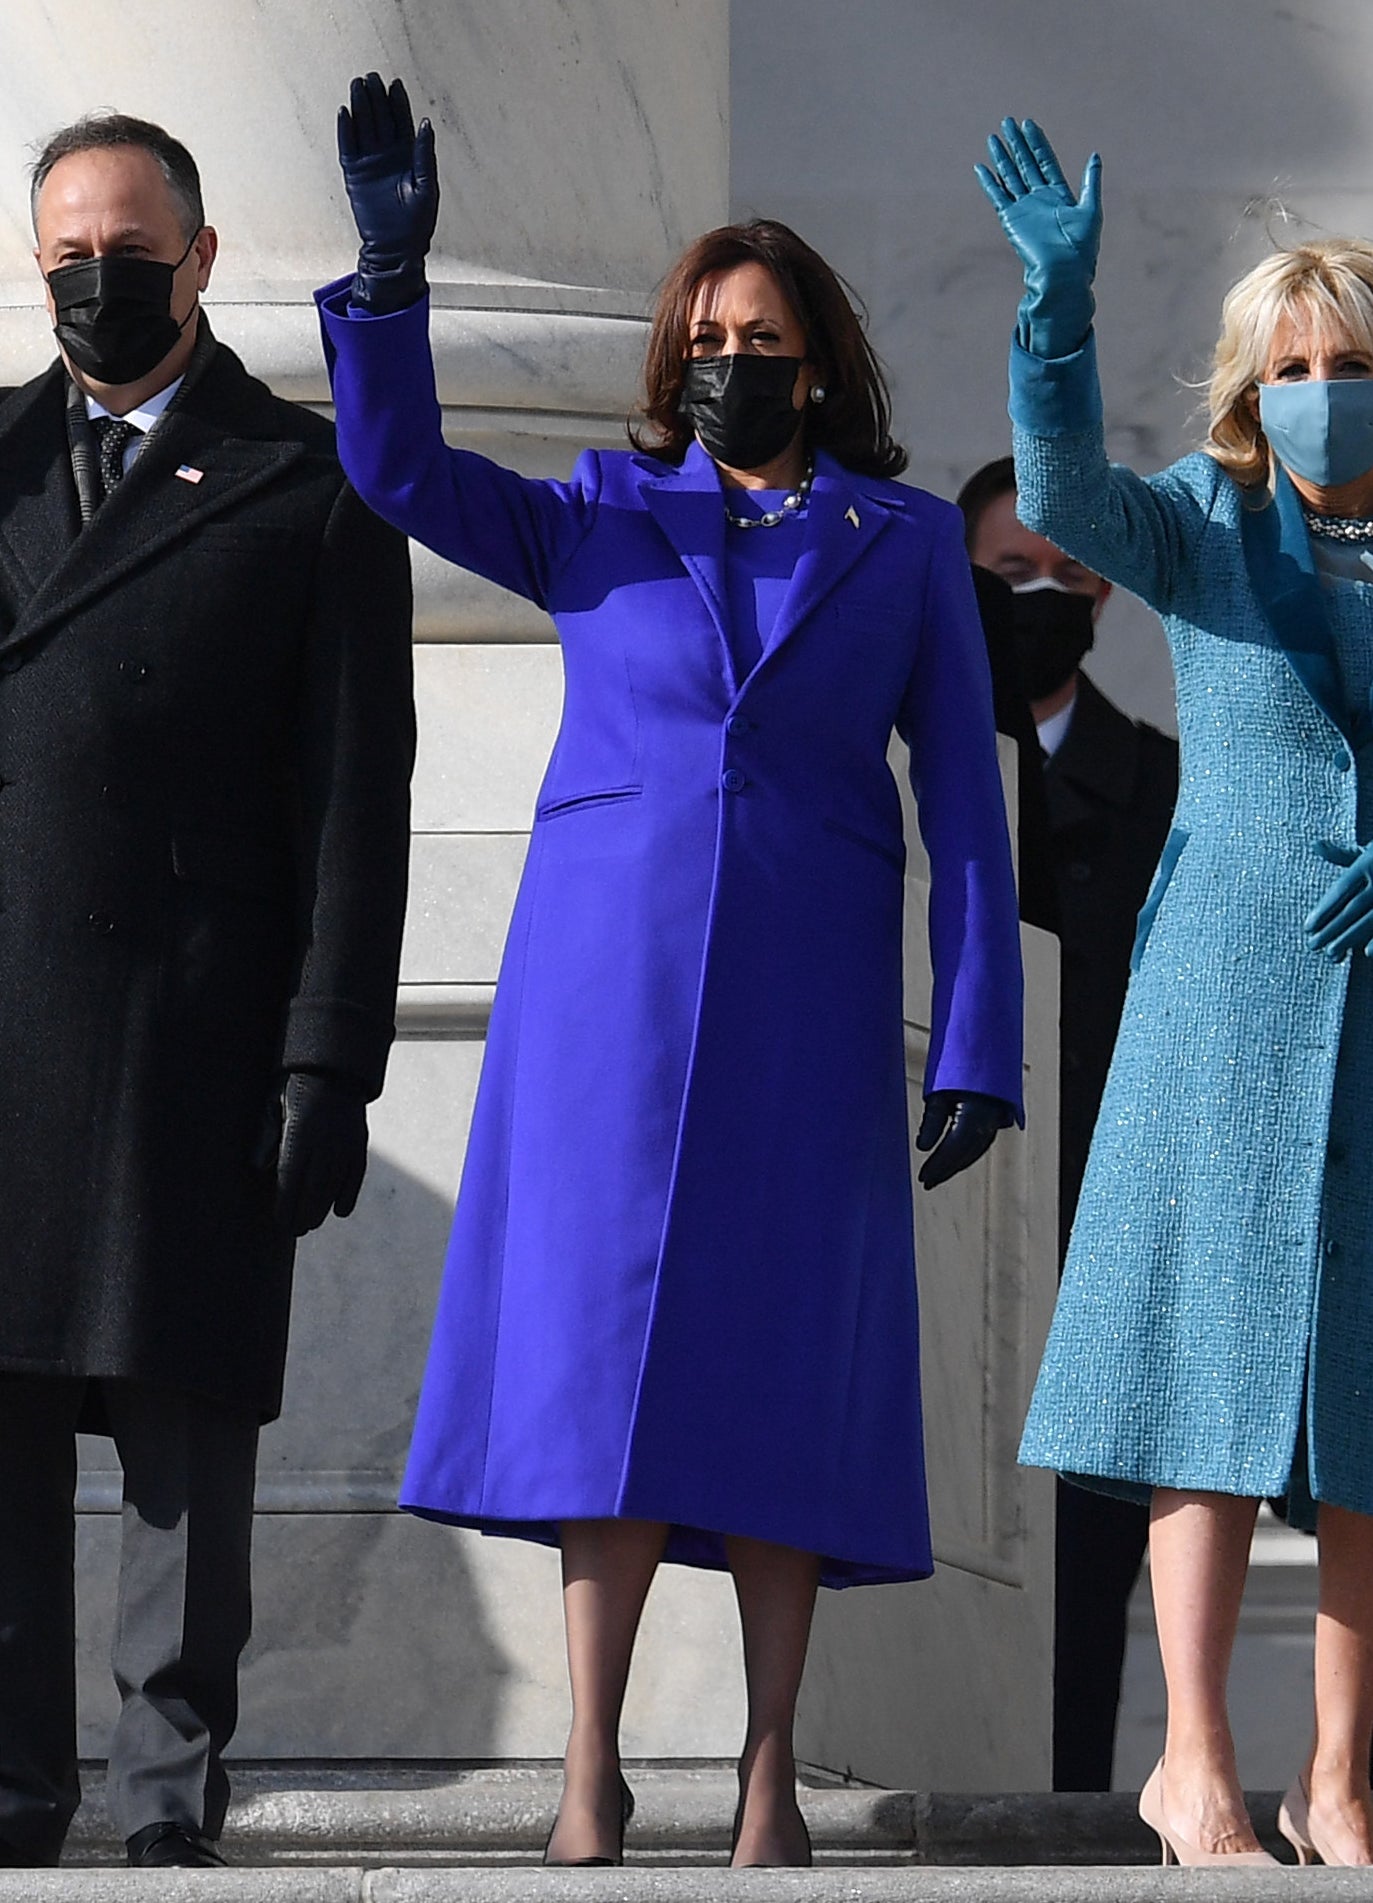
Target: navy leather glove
1343 921
1055 236
393 187
316 1136
958 1126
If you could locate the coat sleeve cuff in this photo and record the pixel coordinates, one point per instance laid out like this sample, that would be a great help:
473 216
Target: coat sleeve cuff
1055 396
330 1034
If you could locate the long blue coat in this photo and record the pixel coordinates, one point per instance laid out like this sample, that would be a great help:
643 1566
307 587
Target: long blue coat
1220 1272
681 1283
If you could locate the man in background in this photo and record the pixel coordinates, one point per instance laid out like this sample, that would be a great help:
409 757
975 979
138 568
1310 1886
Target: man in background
1110 784
206 734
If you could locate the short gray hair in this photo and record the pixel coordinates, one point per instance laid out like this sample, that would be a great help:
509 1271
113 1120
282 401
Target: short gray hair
97 132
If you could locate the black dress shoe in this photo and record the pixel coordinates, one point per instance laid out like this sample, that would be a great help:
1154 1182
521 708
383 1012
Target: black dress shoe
595 1863
168 1847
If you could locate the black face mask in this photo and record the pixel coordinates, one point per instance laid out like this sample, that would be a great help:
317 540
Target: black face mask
114 314
740 406
1053 630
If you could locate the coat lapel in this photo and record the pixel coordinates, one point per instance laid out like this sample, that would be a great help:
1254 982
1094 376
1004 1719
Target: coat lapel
151 509
688 506
842 523
40 519
1282 573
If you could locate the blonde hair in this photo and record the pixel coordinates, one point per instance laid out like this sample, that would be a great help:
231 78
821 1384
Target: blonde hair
1328 283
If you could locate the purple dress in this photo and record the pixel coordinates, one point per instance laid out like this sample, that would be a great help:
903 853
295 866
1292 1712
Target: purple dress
680 1284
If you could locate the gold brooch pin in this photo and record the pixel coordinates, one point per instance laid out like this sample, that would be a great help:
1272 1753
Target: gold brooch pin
851 515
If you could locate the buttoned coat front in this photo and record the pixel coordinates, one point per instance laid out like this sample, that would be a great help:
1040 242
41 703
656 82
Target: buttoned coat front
681 1284
1214 1330
206 732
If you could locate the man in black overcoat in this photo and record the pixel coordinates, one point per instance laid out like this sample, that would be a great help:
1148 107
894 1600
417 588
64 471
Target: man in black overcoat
206 735
1110 784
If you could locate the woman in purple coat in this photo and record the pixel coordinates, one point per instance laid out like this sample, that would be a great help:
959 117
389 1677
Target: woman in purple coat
678 1318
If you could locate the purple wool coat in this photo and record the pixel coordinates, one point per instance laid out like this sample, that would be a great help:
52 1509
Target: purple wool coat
681 1280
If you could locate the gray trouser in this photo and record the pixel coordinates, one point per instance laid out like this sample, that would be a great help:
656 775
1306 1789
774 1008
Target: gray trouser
183 1617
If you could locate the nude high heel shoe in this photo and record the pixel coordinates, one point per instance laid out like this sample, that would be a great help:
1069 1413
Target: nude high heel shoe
1294 1821
1177 1849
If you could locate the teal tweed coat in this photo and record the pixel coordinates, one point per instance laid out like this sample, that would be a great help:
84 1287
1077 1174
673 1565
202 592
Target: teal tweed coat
1215 1324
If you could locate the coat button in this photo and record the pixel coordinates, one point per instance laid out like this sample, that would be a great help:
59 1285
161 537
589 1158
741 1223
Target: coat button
112 796
133 671
1332 1249
1342 762
733 780
1079 872
101 922
738 723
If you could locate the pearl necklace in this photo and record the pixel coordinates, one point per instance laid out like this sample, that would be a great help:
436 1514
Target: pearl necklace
790 504
1338 528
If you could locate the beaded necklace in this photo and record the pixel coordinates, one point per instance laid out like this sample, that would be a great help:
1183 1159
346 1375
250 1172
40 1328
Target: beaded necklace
796 500
1338 528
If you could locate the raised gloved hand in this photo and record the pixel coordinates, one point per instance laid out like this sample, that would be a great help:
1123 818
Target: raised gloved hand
393 187
958 1126
1055 235
316 1134
1343 921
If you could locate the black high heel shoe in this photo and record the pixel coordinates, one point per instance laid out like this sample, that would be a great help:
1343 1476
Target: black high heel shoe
595 1863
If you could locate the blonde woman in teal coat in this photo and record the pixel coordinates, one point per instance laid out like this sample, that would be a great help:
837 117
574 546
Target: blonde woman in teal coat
1213 1341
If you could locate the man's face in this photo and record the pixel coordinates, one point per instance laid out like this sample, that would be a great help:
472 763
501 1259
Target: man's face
1003 544
114 201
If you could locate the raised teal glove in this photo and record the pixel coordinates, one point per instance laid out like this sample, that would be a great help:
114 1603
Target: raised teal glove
1056 236
1343 921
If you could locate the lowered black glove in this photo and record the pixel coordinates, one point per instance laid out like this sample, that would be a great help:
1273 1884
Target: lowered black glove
393 187
958 1126
316 1135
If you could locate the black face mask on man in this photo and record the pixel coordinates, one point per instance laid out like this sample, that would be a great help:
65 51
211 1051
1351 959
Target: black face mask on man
1053 629
114 314
740 406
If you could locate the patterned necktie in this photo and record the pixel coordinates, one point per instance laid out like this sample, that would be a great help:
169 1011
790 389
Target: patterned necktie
113 435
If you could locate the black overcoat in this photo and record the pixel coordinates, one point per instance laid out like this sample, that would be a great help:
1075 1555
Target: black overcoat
1110 790
206 735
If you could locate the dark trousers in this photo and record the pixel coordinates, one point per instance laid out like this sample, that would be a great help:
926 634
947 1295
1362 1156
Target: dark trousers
183 1618
1100 1547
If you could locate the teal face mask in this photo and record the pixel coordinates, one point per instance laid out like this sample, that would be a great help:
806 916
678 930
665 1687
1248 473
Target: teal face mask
1320 430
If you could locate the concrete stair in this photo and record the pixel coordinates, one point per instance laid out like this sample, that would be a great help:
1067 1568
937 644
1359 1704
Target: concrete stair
416 1832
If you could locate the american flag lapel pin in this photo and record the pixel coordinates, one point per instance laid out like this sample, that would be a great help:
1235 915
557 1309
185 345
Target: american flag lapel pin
187 474
851 515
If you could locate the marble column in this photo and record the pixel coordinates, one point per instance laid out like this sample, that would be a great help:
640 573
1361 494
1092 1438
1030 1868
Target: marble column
580 145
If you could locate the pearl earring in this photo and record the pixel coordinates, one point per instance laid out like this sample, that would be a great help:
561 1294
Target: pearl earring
817 394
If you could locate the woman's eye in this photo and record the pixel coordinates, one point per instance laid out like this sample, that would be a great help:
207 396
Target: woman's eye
1354 367
1292 373
705 346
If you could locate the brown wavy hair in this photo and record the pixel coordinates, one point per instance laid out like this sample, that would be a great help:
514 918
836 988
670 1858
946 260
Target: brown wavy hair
854 421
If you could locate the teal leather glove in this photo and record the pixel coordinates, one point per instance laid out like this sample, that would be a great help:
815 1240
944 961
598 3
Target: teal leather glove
1343 921
1055 236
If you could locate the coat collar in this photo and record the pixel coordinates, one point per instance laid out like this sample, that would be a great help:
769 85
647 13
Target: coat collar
209 431
1282 573
843 519
1099 756
41 521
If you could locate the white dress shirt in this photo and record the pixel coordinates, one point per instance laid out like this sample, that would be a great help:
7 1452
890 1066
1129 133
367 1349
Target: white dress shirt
142 418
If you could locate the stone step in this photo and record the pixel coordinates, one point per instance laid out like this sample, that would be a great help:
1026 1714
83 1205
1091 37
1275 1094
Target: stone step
333 1813
350 1884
